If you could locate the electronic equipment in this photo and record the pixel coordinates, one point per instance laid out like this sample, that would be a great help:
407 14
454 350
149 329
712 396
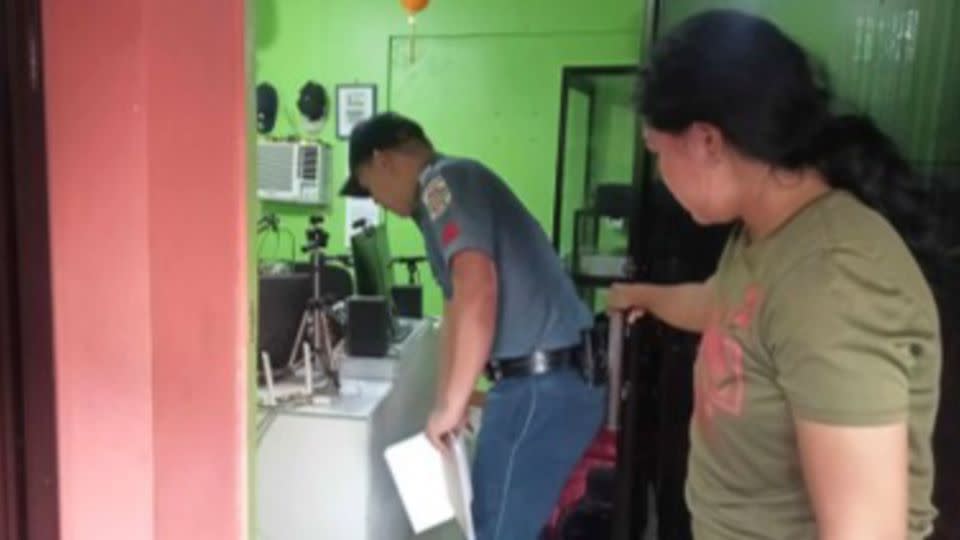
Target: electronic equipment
408 301
313 336
369 331
293 172
371 261
296 322
373 273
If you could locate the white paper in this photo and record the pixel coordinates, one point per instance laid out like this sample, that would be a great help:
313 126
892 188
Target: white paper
459 486
433 488
357 209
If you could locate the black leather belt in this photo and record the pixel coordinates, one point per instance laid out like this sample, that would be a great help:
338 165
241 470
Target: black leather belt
538 363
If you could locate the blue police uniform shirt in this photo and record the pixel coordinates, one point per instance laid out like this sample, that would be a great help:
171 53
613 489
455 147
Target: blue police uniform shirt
463 205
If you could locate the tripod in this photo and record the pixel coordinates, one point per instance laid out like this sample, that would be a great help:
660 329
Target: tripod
313 333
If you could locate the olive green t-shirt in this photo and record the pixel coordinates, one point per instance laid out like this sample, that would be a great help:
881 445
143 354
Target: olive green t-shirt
829 320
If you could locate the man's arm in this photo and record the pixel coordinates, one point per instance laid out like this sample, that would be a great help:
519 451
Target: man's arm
473 312
446 350
857 479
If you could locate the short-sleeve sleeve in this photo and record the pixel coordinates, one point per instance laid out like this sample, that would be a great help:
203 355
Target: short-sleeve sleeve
460 211
842 339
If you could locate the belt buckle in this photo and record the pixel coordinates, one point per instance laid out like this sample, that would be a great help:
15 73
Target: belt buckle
493 372
539 363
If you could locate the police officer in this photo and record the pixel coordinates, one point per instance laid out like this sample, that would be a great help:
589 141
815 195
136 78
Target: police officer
510 309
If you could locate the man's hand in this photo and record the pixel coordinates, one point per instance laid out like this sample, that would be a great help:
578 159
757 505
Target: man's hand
445 421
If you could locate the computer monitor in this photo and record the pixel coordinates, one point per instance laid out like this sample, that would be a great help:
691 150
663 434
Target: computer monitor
371 262
373 273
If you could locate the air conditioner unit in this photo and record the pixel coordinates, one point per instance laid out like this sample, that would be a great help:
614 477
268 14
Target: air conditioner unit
294 172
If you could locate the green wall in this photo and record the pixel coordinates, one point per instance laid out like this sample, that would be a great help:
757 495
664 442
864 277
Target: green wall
890 58
485 82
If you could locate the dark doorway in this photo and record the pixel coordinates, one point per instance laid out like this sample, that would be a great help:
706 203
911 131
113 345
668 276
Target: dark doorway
833 34
28 449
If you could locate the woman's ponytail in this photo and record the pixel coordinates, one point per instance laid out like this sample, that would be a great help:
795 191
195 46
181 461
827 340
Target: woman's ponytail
742 74
854 155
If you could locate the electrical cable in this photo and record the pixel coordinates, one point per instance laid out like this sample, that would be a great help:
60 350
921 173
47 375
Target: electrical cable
293 242
263 234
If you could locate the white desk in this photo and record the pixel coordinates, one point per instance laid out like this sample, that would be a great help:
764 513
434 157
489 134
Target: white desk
321 474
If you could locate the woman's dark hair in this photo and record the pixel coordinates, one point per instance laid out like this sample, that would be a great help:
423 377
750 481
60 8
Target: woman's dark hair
742 74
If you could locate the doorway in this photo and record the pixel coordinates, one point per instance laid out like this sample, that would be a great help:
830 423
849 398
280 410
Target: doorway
597 141
897 61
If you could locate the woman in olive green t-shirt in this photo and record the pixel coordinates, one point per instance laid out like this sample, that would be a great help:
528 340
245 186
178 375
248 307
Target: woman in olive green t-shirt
817 380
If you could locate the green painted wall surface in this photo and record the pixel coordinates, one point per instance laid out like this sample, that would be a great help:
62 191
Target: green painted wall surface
485 82
505 113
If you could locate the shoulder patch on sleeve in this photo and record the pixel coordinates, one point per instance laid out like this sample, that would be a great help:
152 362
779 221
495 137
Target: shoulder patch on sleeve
437 197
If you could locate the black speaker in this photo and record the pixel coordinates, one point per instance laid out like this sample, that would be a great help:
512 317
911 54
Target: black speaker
408 301
368 326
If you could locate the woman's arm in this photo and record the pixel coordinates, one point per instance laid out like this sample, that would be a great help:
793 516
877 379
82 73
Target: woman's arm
687 307
857 479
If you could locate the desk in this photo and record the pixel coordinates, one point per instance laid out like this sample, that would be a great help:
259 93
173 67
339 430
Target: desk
321 474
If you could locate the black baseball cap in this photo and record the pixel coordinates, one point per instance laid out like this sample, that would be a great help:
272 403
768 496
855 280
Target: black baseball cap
313 102
380 132
266 107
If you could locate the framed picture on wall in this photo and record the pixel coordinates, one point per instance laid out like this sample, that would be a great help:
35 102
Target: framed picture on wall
355 103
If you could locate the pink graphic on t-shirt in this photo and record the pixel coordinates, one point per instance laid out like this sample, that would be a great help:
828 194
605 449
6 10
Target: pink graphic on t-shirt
719 384
743 316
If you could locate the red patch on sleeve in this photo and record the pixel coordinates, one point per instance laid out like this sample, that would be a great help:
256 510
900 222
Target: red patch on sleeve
451 231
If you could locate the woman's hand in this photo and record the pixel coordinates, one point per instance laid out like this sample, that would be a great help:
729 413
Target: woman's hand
627 298
687 306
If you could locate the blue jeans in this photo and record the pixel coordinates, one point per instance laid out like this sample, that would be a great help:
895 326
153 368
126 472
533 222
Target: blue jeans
533 432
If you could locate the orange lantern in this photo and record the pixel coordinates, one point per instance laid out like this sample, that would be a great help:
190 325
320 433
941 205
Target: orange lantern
413 7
